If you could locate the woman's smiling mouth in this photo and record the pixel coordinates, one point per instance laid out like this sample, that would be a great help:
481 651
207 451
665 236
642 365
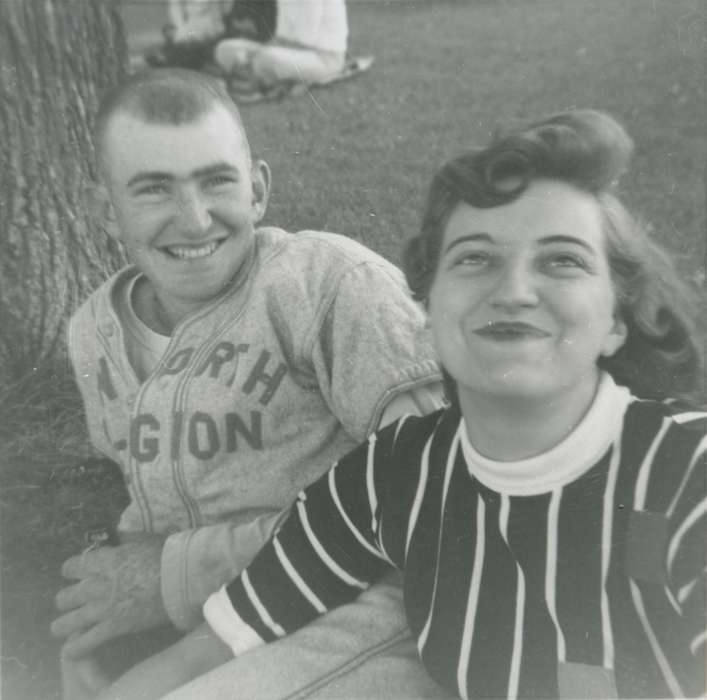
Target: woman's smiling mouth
509 330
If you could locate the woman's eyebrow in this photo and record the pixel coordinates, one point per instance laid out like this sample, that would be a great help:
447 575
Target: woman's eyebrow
563 238
469 237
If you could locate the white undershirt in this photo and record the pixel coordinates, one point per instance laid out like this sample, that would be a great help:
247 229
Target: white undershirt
565 462
144 346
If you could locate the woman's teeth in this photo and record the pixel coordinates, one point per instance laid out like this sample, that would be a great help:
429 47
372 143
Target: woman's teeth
188 252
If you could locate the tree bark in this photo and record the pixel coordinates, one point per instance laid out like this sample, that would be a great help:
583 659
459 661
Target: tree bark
56 59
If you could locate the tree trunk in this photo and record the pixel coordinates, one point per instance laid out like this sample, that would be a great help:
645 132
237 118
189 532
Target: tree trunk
56 59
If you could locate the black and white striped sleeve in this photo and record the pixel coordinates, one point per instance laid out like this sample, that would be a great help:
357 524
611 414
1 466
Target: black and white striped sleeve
687 552
325 554
666 564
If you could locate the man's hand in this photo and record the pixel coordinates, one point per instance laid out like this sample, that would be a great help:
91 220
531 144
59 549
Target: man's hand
118 592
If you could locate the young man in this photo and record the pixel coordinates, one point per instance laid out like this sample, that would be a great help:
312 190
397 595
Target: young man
224 370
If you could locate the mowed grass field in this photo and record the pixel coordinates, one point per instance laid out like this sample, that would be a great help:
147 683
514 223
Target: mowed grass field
356 158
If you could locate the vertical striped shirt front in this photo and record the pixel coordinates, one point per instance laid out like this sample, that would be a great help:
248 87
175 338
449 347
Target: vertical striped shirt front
578 573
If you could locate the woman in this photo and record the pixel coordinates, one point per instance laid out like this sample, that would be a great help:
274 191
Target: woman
551 521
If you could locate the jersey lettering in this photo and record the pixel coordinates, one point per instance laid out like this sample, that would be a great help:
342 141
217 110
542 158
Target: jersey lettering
271 381
144 449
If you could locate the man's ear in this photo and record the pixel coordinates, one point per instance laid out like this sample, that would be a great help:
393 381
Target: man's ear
101 208
261 179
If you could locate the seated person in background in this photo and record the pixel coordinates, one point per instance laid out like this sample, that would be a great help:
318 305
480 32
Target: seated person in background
251 19
309 46
551 522
224 370
196 26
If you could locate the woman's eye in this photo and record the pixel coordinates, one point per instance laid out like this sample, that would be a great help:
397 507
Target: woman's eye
566 260
474 259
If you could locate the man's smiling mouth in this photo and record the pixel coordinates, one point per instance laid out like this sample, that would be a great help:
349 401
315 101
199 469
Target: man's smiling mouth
190 252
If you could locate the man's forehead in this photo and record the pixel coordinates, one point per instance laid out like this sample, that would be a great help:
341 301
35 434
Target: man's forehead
133 142
131 122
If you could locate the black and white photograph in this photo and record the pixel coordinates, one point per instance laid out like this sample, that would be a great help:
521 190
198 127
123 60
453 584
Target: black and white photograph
353 349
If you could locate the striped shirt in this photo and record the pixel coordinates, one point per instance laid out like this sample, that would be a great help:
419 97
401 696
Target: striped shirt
578 573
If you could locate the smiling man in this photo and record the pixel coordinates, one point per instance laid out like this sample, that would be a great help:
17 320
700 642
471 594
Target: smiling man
185 199
226 368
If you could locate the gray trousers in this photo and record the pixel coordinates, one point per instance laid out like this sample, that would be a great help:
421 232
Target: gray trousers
360 651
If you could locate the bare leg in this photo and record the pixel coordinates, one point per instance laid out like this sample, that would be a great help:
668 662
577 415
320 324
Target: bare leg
275 64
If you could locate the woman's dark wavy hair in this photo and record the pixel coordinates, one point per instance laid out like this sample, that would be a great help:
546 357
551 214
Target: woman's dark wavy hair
662 355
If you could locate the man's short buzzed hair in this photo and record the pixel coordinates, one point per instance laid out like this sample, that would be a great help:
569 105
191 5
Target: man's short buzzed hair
164 96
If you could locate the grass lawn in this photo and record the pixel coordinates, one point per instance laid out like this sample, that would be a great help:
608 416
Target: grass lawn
356 158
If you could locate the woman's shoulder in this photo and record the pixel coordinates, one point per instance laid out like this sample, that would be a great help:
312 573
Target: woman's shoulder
674 414
665 431
411 434
662 447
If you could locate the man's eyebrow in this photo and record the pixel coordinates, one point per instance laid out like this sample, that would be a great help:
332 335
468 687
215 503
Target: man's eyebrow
148 175
219 167
152 175
469 237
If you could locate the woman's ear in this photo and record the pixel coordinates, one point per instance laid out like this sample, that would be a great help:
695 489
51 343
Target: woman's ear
615 338
101 209
261 179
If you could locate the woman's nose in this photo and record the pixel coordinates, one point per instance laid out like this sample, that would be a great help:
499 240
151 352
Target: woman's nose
516 286
193 214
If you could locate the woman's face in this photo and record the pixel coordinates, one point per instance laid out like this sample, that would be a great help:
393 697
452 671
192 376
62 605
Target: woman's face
522 303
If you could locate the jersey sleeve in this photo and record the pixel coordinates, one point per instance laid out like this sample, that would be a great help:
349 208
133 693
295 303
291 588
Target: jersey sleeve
371 345
419 401
325 554
197 562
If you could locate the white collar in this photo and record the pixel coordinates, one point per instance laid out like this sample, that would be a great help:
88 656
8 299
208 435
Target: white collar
565 462
141 330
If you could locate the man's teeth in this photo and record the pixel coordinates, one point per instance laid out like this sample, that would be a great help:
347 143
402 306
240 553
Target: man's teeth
188 252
